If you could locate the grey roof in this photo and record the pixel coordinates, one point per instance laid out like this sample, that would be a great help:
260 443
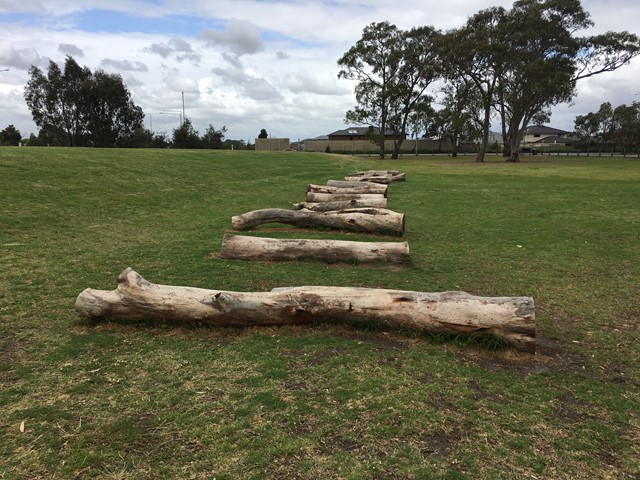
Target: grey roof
357 131
544 130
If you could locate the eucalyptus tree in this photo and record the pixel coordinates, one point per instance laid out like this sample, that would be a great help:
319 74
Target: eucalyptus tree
77 107
477 52
393 69
55 100
547 58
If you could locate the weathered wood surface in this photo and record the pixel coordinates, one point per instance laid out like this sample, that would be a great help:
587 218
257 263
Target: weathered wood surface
365 187
511 318
355 219
386 179
380 202
340 197
343 183
240 247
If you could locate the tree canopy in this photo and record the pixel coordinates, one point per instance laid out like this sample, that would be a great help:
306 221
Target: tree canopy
516 63
78 107
393 69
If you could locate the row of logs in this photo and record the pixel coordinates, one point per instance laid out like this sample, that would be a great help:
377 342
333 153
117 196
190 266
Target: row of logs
356 204
510 318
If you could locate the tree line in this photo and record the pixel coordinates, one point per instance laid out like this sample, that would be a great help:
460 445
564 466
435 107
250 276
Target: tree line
513 64
76 107
610 127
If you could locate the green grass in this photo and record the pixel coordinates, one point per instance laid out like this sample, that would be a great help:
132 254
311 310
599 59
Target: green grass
146 400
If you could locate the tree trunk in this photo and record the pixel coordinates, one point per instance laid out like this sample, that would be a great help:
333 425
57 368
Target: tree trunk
379 202
330 251
364 188
341 197
371 187
357 219
376 177
510 318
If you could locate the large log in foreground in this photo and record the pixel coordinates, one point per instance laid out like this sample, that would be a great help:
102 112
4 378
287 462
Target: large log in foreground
240 247
511 318
354 219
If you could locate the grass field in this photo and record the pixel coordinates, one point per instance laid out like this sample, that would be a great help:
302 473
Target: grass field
149 400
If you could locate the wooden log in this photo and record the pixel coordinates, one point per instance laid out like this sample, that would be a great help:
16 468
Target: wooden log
377 173
364 187
386 179
371 220
340 197
511 318
343 183
240 247
341 205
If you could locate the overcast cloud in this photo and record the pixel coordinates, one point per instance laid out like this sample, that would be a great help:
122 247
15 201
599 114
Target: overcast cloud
246 64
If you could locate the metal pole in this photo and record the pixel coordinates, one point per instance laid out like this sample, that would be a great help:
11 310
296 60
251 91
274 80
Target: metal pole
183 116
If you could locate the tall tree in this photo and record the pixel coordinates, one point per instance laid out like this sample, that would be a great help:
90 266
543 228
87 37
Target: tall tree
110 114
626 126
477 51
547 59
186 136
393 69
10 136
213 138
77 107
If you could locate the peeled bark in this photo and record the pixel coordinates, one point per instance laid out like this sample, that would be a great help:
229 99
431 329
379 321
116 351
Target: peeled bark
510 318
350 187
380 202
355 219
341 197
240 247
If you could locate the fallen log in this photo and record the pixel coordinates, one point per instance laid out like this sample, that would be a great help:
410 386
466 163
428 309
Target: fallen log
380 202
340 197
354 219
365 187
368 173
343 183
386 179
510 318
240 247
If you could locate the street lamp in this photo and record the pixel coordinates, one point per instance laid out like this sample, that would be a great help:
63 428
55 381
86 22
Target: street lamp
172 113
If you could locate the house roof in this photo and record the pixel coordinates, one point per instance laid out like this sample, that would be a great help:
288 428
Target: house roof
556 139
544 130
358 131
351 131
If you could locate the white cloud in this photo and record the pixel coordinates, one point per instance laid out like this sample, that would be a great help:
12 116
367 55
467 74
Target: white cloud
251 64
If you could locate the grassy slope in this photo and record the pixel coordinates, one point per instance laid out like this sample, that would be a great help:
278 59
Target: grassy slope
121 400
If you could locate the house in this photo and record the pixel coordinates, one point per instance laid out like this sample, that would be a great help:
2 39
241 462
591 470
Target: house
543 135
359 133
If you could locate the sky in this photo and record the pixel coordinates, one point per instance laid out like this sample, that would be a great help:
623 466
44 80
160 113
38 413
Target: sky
247 64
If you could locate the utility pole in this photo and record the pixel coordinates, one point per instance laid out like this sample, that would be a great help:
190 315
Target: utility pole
183 116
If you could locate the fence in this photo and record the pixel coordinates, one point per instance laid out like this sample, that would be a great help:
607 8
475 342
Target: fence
272 144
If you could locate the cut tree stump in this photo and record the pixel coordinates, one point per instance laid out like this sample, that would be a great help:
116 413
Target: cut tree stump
365 187
510 318
240 247
378 220
341 197
380 202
